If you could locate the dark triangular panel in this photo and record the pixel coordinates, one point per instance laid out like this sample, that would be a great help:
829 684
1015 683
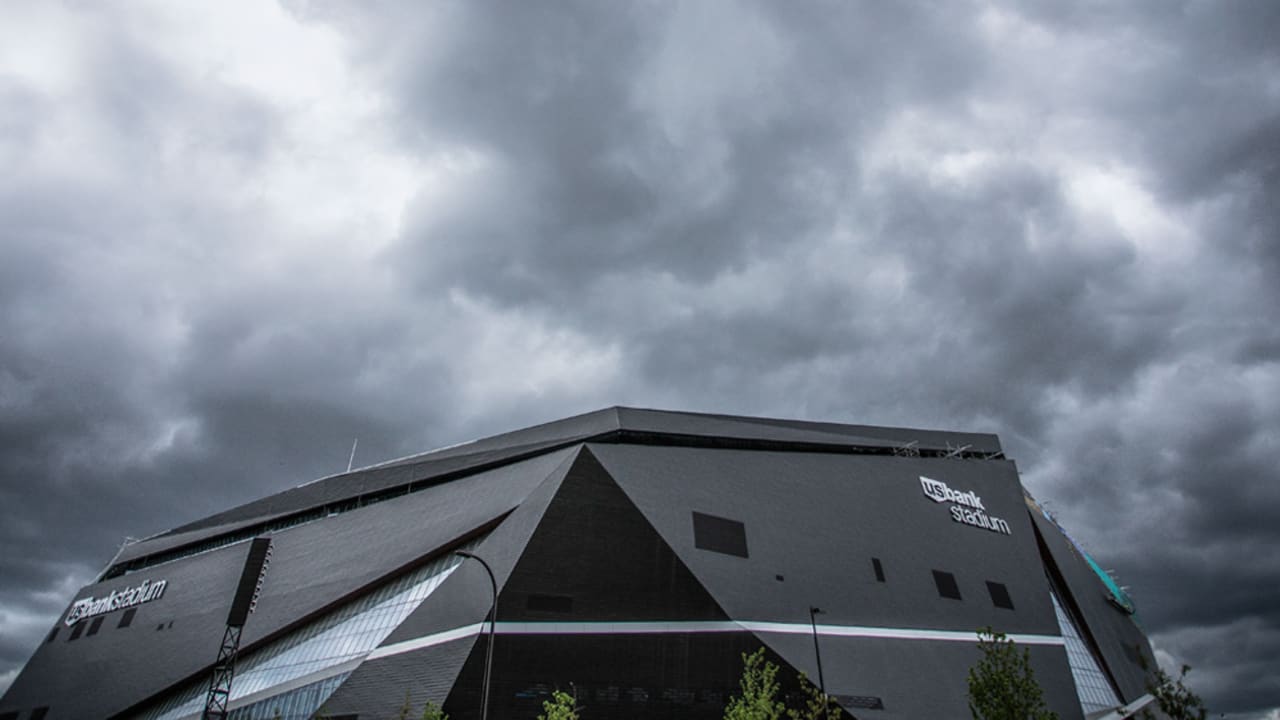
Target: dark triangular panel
595 549
465 597
427 673
594 558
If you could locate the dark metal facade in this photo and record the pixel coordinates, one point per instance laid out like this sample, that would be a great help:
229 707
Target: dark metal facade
637 555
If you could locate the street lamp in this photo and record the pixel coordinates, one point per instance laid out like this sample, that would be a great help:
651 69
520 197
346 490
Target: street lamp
493 619
822 686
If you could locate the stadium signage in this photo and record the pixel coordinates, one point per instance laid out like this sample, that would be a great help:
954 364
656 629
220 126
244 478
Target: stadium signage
117 600
966 507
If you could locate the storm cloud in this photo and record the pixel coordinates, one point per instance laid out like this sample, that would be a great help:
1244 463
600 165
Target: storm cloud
236 238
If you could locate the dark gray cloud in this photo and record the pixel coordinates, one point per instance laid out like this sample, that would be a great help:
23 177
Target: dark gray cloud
428 223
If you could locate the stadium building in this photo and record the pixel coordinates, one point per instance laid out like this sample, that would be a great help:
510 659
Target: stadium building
636 554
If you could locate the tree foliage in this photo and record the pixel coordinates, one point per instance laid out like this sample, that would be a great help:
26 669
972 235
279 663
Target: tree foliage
1173 697
759 685
561 706
431 711
1002 685
817 705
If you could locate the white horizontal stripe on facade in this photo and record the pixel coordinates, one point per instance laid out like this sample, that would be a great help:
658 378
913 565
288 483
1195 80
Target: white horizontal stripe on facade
891 633
696 626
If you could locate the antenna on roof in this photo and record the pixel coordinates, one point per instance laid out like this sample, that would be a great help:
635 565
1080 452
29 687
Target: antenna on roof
909 449
955 452
352 459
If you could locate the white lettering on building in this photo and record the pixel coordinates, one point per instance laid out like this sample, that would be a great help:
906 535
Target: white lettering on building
118 599
967 507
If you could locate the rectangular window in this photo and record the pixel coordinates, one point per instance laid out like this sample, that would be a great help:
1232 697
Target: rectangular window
719 534
76 630
52 634
95 626
550 603
1134 654
946 583
869 702
11 715
999 595
875 565
127 618
39 713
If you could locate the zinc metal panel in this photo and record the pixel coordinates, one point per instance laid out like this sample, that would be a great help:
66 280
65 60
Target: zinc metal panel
773 429
464 598
380 688
813 524
817 520
313 567
1119 639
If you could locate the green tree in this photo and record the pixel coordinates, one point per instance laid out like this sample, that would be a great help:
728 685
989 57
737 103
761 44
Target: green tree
561 706
817 706
432 711
1002 685
759 698
1173 697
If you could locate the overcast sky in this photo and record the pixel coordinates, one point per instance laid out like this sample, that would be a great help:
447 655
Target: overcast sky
236 235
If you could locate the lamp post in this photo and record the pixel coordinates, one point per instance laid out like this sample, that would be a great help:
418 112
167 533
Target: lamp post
822 685
493 620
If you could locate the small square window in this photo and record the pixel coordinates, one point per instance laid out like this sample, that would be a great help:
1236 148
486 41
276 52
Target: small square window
1000 595
1134 653
95 626
52 634
946 583
879 569
76 631
719 534
127 618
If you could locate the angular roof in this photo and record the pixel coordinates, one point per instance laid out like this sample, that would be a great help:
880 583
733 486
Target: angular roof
615 424
601 512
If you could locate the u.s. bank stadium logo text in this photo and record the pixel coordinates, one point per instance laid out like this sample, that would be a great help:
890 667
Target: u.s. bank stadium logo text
118 599
966 507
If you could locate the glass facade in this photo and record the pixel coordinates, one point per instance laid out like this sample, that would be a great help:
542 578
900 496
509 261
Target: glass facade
1092 687
309 664
299 703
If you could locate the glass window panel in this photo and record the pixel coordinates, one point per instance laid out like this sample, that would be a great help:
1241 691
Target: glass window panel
346 634
1092 687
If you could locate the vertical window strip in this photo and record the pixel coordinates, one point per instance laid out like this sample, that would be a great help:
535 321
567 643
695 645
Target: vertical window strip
1092 687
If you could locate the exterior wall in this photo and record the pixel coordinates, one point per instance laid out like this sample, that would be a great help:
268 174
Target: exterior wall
607 587
314 566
